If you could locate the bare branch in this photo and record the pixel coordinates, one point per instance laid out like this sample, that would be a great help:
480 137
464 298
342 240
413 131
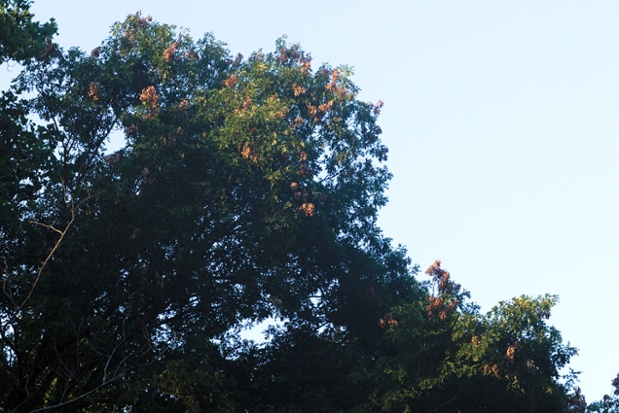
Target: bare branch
62 233
77 398
46 226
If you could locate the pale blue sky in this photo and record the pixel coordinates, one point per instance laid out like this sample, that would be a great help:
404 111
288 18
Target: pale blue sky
502 120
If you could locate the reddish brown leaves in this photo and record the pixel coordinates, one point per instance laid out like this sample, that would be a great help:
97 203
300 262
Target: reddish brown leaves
94 91
298 89
149 96
248 153
307 208
305 67
312 110
170 53
231 81
151 99
511 352
492 369
441 278
326 107
331 86
143 21
387 321
445 301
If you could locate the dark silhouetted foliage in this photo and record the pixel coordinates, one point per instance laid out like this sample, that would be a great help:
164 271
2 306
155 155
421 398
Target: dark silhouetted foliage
245 191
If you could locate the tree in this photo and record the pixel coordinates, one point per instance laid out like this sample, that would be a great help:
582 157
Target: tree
23 154
246 190
21 38
440 354
609 403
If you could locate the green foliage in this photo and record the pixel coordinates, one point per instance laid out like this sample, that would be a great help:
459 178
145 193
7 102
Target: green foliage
21 38
247 190
442 355
609 403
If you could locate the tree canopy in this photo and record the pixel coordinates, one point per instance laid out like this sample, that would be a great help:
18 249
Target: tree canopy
246 191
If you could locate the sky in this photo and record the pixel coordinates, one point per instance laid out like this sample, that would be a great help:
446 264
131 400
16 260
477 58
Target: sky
502 123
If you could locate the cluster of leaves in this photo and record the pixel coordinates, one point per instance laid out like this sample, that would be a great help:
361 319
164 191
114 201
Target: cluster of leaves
22 38
608 404
246 191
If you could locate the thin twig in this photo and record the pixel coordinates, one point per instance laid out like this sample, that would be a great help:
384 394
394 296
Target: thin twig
6 284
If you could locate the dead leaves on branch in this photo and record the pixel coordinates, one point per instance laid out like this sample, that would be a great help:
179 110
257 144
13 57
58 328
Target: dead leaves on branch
231 81
442 279
298 90
169 54
444 300
302 197
150 99
308 209
387 321
94 91
247 152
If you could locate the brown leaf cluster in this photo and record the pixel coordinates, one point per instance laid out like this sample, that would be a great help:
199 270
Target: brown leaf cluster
94 91
231 81
387 321
143 21
476 341
332 85
299 196
492 369
312 110
326 107
183 104
511 351
289 55
441 308
299 121
170 53
308 209
442 279
112 160
298 89
306 66
444 302
282 113
150 97
249 153
305 61
305 170
244 107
